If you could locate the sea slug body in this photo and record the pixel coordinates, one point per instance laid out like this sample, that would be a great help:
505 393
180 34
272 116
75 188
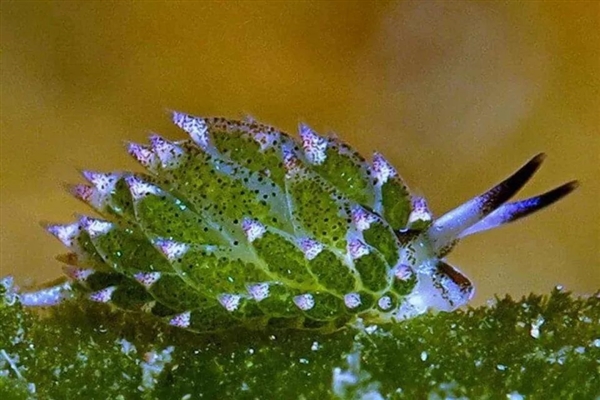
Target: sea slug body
242 225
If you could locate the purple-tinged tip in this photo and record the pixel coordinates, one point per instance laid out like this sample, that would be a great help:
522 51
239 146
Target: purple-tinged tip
402 272
104 182
168 152
357 249
362 218
147 279
258 291
310 247
65 233
291 162
420 211
46 297
196 127
77 274
104 295
230 302
82 192
382 169
352 300
95 227
305 301
144 155
385 303
314 145
181 320
253 229
171 249
89 195
140 189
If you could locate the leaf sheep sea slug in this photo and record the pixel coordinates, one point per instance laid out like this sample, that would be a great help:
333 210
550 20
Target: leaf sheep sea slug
242 225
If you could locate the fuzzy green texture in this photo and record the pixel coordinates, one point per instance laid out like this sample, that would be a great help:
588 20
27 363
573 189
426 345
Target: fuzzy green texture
237 214
84 350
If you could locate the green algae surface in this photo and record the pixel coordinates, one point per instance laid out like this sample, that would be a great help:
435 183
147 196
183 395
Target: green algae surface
537 347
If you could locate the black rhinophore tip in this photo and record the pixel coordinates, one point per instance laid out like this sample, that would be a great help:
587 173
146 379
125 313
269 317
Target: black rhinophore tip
446 229
519 209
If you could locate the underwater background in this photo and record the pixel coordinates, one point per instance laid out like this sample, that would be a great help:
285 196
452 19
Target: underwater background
457 95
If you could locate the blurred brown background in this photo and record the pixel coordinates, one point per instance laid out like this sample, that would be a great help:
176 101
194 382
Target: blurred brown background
456 94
